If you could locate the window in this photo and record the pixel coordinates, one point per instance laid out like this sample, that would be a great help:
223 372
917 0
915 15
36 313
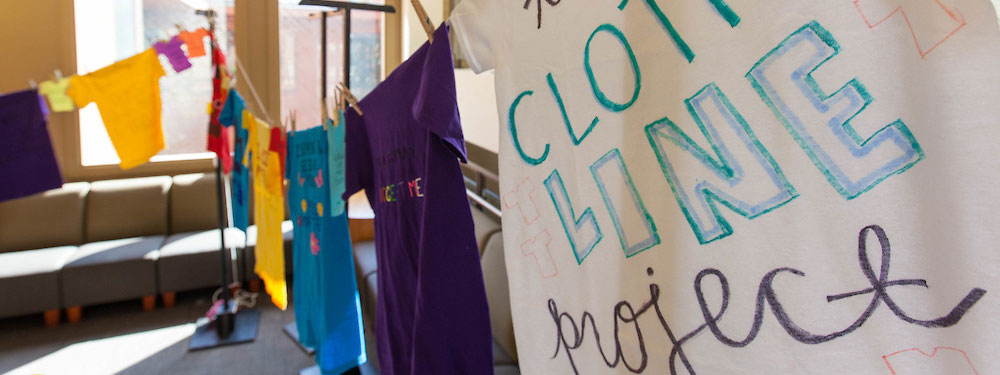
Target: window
112 30
300 43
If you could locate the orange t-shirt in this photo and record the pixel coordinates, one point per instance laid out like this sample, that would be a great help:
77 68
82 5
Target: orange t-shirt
127 94
195 41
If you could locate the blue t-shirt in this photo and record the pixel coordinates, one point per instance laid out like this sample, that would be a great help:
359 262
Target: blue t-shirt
232 115
327 307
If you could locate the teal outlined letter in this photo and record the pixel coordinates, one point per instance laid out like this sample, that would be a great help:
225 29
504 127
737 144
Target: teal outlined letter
821 123
624 204
750 192
583 232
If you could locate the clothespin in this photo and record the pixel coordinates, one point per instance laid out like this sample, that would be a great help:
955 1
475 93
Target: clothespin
58 74
324 112
33 84
425 20
293 116
179 27
350 98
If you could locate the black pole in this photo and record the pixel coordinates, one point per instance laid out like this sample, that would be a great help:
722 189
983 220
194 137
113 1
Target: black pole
225 319
347 47
322 51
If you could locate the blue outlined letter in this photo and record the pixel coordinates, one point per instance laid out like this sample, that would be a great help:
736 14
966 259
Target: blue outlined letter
750 192
821 123
583 233
598 93
635 227
513 132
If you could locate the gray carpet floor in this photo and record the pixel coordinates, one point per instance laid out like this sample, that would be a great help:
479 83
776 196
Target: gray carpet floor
122 339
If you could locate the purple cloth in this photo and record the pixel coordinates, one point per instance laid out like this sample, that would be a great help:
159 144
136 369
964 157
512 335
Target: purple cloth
172 50
27 162
432 315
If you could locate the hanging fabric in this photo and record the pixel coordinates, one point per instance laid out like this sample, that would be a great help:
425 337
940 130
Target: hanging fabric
175 55
195 41
27 163
404 152
127 94
335 139
55 92
327 307
219 138
231 116
721 186
269 211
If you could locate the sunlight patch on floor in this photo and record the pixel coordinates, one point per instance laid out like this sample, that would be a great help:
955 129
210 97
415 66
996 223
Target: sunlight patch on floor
106 356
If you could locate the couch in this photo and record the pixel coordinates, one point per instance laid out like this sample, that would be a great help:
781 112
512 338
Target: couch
93 243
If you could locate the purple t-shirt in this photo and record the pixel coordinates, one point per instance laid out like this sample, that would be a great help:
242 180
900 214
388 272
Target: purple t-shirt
27 162
432 315
172 50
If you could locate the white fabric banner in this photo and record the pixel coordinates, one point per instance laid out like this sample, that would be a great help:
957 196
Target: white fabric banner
745 186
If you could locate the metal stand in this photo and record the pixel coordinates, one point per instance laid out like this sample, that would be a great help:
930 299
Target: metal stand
291 328
226 320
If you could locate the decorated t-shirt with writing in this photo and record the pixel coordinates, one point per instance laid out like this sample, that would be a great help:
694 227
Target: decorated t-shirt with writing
753 187
432 315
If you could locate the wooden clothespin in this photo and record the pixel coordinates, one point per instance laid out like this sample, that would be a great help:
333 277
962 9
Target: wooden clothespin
338 101
291 119
350 98
425 20
179 27
324 112
33 84
58 74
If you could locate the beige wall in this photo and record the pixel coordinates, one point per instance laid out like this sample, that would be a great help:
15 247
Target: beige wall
476 93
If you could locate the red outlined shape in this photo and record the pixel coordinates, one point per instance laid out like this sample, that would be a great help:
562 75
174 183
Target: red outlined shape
933 353
546 265
954 14
521 197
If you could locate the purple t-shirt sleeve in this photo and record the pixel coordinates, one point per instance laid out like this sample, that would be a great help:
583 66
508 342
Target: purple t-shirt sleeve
357 161
436 106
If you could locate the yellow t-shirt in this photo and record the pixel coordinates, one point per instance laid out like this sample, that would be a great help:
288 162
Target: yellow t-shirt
269 211
127 94
55 92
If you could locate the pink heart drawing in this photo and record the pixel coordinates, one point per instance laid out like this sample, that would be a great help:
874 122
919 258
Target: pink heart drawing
314 243
319 178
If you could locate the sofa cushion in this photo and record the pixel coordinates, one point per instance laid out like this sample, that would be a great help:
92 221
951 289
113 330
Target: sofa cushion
498 294
127 208
110 271
191 260
29 280
193 203
21 219
485 227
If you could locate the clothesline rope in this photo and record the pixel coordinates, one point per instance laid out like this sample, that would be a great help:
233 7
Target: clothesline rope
253 89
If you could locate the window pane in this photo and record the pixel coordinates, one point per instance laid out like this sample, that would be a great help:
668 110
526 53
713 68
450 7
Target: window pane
112 30
300 56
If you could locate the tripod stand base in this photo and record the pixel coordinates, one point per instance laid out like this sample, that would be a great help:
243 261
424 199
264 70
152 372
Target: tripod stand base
244 331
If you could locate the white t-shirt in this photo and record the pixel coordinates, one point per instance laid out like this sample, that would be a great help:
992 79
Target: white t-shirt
721 186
